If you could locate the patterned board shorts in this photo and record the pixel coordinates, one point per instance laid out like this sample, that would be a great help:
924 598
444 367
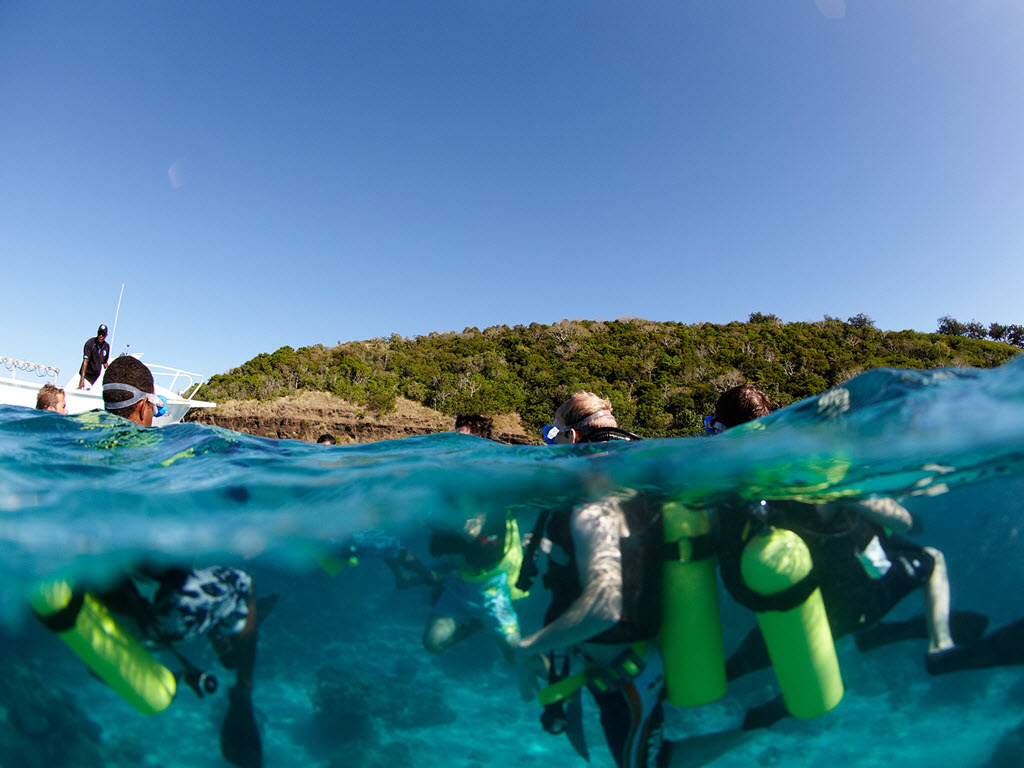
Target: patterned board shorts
488 602
210 600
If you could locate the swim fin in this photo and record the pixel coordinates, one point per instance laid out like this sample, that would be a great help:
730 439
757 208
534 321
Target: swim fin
1002 648
239 736
264 606
574 726
965 626
696 751
766 715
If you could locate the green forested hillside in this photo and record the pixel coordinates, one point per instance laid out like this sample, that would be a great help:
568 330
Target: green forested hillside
661 377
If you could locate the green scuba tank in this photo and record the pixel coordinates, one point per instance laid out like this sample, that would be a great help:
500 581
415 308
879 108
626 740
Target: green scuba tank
799 639
691 628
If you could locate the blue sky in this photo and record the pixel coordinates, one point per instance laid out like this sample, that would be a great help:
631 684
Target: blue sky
263 174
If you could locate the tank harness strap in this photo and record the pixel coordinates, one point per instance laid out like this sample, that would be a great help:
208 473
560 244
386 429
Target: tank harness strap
785 600
528 570
690 549
599 677
63 619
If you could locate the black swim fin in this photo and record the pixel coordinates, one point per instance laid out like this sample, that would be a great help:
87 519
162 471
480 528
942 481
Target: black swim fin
574 726
965 626
766 715
696 751
264 606
239 736
1002 648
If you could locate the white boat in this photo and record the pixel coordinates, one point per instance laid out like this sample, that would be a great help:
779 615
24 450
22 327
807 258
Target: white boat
177 386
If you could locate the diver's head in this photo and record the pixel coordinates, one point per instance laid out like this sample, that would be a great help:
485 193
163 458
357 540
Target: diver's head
737 406
51 398
583 418
475 424
128 390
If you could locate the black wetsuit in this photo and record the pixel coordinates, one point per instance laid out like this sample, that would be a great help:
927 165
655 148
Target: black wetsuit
854 600
631 710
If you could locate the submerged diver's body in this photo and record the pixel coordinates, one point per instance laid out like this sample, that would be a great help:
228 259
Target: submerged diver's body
605 577
856 593
477 592
862 568
169 604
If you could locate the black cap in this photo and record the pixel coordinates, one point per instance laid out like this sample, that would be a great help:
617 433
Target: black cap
102 330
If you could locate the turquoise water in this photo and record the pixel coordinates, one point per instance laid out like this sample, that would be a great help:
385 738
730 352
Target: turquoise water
84 496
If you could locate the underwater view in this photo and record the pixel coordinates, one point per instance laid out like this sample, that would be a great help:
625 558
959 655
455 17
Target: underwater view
342 677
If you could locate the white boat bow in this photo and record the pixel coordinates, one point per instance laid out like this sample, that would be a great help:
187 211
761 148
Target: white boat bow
178 387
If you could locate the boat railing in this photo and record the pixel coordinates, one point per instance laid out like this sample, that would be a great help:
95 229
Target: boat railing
40 370
190 381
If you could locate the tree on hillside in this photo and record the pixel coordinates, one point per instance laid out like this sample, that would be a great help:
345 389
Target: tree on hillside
950 326
861 320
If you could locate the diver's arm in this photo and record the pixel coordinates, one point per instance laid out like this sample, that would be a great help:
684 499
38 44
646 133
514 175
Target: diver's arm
887 513
596 531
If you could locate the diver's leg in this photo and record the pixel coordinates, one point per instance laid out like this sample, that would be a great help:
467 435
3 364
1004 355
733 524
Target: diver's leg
240 742
936 604
418 574
442 632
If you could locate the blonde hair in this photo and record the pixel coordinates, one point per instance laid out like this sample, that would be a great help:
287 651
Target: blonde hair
49 397
580 406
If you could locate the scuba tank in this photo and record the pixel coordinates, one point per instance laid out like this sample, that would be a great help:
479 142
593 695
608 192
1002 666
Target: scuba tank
691 628
117 658
776 565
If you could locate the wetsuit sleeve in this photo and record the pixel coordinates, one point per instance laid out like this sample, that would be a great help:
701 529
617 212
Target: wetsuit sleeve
597 530
887 513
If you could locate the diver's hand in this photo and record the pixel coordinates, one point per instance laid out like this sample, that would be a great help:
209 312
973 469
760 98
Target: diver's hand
527 671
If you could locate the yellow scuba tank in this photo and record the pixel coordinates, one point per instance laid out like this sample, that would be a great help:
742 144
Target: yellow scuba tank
691 628
89 629
799 640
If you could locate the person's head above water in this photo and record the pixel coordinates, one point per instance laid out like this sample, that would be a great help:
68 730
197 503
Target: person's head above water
50 398
474 424
128 390
326 439
579 418
737 406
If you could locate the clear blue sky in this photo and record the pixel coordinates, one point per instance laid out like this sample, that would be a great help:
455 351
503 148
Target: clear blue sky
262 174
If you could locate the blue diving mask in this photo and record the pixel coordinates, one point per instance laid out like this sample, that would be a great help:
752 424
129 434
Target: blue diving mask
552 431
713 427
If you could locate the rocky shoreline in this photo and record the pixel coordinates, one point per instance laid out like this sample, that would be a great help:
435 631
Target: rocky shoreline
311 414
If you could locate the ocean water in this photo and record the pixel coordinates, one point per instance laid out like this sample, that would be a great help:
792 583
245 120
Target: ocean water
342 678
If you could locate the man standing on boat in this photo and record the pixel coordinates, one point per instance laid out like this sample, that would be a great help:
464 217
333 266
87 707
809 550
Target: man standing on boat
95 357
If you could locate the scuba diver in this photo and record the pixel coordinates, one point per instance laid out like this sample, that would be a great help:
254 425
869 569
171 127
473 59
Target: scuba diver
861 567
166 605
477 591
483 556
605 577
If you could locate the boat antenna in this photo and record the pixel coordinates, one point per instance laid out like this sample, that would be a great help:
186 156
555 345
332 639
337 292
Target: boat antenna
116 313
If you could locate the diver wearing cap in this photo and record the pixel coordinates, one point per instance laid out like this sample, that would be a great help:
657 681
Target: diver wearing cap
94 358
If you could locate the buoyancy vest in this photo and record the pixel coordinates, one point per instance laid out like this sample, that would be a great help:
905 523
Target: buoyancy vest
642 554
497 549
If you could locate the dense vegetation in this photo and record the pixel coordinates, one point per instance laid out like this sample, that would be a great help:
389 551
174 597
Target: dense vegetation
662 378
